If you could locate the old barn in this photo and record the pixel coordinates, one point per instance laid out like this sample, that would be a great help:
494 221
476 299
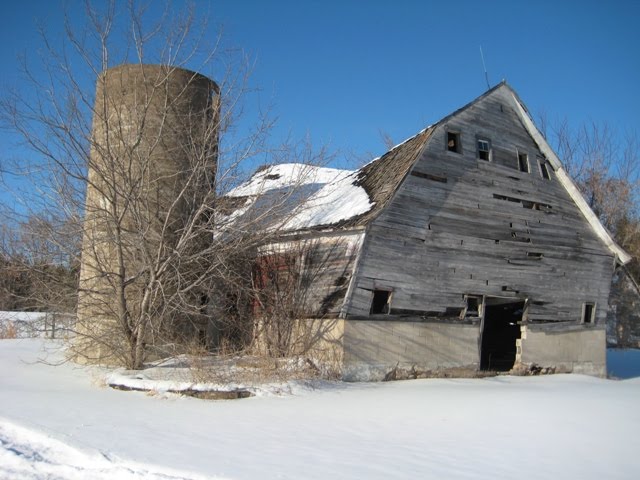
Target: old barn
465 248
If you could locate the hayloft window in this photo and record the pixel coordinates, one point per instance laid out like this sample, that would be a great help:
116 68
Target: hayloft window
484 149
453 142
474 306
523 162
544 169
588 312
380 302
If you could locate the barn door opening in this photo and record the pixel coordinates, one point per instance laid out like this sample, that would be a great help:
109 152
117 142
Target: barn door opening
500 330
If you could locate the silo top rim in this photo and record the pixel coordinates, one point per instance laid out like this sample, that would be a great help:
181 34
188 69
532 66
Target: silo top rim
158 67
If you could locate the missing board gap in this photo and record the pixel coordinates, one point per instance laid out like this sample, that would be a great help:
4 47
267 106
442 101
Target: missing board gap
544 207
429 176
538 255
506 198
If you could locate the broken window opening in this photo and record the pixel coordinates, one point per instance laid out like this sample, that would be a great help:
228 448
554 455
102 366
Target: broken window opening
473 306
381 302
544 169
523 162
588 312
453 142
484 149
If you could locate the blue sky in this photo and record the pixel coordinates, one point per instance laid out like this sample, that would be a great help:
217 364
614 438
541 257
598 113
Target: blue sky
342 71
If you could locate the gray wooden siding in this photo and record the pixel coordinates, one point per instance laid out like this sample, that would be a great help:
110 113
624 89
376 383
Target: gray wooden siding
314 272
460 225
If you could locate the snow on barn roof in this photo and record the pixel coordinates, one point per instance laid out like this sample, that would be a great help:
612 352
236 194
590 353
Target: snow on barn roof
285 175
315 195
330 197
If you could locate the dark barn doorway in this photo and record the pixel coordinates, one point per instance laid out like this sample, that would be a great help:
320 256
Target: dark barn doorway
499 334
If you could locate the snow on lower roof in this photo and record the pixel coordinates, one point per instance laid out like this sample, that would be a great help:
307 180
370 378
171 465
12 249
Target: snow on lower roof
331 195
339 200
285 175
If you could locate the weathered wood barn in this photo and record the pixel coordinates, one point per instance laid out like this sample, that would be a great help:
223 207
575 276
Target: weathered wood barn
472 249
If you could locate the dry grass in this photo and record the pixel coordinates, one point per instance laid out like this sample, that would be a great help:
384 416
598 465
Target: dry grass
8 330
249 370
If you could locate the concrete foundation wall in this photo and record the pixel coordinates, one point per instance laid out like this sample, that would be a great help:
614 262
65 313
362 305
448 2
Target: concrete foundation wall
374 348
579 351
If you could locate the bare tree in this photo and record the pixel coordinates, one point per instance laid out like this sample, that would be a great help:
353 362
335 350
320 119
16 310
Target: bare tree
137 171
387 141
606 168
298 286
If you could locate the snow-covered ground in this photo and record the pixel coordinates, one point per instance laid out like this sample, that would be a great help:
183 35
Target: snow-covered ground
61 422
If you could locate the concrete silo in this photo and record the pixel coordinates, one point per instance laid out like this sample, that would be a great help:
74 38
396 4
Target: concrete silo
153 125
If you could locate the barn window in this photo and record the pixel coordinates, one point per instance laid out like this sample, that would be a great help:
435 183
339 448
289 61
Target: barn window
380 302
544 169
523 162
484 149
588 312
453 142
474 306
